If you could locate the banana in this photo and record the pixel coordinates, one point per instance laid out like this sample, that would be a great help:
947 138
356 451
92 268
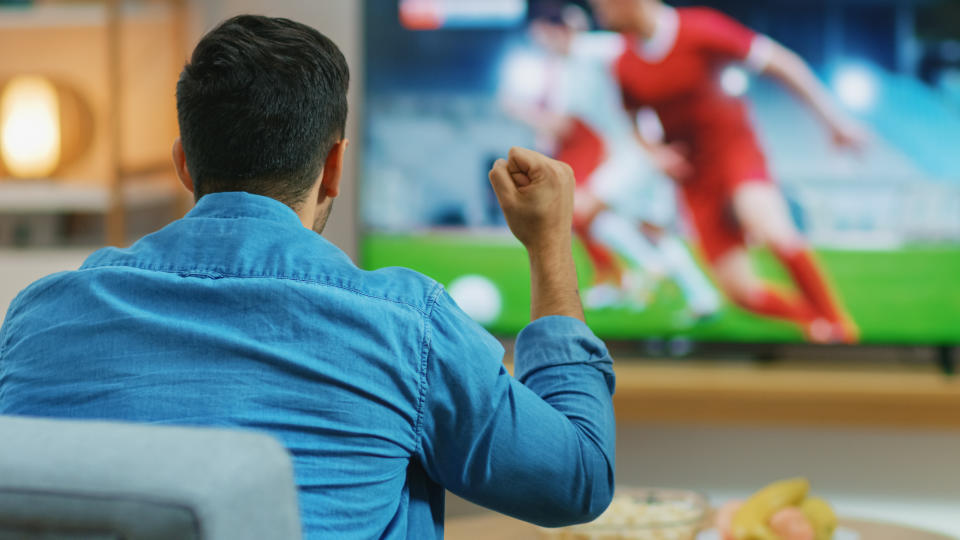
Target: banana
821 516
750 521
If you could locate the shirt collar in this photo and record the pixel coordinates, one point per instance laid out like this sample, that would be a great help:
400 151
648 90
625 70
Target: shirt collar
659 45
239 204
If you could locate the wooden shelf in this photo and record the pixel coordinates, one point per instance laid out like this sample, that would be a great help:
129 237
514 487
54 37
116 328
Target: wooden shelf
49 197
71 15
794 394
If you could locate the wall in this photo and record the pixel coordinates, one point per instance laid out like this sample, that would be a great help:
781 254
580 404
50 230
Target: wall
340 20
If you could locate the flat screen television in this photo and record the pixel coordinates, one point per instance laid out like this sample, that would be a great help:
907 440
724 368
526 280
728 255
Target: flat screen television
451 85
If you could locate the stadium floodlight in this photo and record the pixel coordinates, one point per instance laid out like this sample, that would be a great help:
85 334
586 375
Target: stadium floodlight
523 76
856 87
735 81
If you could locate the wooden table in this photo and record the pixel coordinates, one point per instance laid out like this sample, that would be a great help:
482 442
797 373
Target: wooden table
499 527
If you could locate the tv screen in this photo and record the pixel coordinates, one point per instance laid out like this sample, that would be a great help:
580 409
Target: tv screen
768 172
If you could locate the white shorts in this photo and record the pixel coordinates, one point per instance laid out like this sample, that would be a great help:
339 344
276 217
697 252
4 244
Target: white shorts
632 186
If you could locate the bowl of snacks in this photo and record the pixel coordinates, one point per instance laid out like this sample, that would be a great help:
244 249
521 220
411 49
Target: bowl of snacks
642 514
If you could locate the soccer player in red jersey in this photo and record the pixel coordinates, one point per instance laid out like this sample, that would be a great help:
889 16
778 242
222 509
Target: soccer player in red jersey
671 61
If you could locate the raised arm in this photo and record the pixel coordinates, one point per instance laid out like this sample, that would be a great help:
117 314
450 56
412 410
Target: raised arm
539 447
536 194
792 71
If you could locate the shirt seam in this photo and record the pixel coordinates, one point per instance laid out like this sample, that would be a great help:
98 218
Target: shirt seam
424 358
272 219
173 271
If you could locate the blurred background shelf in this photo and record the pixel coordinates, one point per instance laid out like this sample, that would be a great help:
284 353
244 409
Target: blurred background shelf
72 14
45 197
43 214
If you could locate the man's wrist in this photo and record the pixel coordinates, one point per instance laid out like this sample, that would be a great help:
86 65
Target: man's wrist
554 281
551 250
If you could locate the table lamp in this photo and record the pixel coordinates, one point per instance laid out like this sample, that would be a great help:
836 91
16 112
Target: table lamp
43 126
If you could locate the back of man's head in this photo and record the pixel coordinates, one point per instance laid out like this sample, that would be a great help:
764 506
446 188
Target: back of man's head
260 104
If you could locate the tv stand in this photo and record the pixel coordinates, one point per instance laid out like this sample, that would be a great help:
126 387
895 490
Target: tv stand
947 359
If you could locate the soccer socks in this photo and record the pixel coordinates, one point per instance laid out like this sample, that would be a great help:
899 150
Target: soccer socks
701 296
811 282
623 237
770 302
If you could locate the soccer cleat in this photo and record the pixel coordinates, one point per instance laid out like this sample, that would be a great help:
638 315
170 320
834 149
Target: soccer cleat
820 331
847 330
825 332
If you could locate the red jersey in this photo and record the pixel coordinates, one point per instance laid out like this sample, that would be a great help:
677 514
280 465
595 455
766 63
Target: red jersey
677 73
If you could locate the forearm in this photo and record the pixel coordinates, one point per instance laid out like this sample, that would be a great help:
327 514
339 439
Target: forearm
554 437
562 362
539 447
553 281
542 450
791 71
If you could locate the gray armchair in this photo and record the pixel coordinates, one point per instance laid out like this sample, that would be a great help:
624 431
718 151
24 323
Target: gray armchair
81 480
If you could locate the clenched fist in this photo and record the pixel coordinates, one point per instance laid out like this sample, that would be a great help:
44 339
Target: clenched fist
536 195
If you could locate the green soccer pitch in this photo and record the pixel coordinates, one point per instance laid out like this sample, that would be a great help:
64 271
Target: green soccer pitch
910 296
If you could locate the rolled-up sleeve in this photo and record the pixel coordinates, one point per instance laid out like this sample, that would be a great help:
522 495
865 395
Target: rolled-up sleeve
539 447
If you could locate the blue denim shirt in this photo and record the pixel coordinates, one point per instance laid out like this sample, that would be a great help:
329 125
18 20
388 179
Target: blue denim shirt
383 390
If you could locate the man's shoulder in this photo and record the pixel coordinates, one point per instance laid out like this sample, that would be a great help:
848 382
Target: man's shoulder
396 285
32 295
314 264
404 286
291 255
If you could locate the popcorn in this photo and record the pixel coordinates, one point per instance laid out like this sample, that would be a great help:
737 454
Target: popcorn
631 517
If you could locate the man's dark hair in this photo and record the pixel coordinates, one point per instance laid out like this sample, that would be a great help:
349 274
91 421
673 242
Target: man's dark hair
261 103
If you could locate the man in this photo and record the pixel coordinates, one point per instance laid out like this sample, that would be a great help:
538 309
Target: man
619 191
670 60
240 315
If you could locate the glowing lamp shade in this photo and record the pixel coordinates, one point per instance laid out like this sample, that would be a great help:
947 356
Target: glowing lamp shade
30 127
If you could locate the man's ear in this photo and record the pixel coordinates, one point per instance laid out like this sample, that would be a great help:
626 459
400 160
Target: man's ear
333 170
180 164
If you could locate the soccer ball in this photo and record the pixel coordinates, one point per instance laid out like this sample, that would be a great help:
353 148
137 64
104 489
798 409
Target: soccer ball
478 297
